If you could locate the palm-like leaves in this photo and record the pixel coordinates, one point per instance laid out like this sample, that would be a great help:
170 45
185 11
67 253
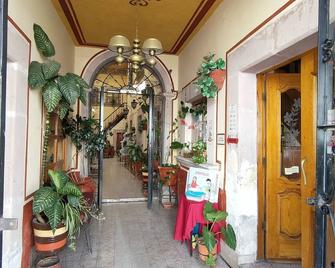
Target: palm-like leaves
51 96
43 43
50 69
60 203
35 77
44 198
69 88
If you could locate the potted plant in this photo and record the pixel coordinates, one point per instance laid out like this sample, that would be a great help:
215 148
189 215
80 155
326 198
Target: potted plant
59 210
136 157
168 182
143 125
207 243
59 92
198 152
211 76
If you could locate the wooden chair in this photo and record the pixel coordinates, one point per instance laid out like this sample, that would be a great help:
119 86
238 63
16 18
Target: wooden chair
86 184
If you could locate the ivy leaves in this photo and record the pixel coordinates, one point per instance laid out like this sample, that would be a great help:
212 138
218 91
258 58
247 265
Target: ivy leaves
205 82
59 91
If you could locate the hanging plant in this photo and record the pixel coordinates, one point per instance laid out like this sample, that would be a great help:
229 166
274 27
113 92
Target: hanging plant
206 76
85 131
59 92
183 110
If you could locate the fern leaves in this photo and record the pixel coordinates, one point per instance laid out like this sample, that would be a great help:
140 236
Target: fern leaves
43 43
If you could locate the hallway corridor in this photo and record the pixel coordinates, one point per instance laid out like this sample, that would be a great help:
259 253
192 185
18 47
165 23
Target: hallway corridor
119 182
131 237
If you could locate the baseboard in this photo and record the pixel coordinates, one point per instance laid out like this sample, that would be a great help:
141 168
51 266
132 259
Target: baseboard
233 259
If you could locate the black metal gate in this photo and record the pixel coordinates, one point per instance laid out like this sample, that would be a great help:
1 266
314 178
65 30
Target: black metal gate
3 70
325 186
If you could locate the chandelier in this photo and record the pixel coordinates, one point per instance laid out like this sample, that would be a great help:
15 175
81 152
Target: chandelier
151 47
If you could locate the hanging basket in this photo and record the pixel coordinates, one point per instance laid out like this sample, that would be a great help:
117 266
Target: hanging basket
219 77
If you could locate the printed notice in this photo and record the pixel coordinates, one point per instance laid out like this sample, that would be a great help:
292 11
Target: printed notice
292 170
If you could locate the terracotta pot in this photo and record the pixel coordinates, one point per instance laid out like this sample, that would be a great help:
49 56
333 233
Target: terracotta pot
45 240
137 168
167 171
219 77
51 262
203 251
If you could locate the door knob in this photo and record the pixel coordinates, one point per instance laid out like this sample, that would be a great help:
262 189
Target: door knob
303 170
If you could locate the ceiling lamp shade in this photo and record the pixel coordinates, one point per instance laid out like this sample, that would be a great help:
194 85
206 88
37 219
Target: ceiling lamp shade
117 42
152 47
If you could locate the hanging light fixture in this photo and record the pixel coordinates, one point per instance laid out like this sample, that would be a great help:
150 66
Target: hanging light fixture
121 45
133 104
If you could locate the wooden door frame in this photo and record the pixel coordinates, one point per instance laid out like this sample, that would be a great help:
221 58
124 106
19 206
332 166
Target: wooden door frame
261 155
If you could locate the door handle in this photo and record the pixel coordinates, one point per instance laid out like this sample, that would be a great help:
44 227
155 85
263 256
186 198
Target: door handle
303 170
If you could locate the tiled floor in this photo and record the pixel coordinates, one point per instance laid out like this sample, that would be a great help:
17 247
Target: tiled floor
119 183
132 236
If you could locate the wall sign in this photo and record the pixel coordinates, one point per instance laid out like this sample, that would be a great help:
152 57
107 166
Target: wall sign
220 139
232 124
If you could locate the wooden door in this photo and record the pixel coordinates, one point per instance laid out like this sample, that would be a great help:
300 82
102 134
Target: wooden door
283 143
290 163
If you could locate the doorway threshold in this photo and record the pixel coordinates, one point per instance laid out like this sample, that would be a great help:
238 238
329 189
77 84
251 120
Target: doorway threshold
126 200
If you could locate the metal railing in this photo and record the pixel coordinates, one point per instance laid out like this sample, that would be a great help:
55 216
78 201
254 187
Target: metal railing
116 116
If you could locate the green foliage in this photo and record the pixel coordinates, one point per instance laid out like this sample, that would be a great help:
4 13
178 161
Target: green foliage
174 128
50 69
135 153
176 145
35 75
43 43
211 216
62 202
198 110
229 236
198 150
204 82
58 92
51 96
142 125
183 110
85 131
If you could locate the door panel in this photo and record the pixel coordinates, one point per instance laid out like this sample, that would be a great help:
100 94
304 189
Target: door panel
308 147
283 143
291 163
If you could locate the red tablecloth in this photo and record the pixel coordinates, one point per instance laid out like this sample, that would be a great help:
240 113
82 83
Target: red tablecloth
189 214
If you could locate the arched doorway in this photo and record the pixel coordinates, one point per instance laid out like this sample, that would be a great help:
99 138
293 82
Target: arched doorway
121 85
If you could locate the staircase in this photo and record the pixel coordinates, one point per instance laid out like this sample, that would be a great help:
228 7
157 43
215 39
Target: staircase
116 116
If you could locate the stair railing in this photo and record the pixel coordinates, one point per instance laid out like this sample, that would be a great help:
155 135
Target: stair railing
118 114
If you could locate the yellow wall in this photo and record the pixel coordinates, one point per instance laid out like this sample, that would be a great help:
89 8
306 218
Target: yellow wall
42 12
232 20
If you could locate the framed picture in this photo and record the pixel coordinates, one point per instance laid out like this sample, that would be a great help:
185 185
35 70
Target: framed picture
220 139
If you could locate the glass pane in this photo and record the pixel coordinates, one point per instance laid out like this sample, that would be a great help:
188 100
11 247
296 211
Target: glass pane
290 133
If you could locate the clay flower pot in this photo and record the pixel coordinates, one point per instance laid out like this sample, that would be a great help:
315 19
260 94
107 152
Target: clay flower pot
203 251
45 240
219 77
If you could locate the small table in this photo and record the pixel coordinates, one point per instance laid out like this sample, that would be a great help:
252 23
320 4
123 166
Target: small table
189 214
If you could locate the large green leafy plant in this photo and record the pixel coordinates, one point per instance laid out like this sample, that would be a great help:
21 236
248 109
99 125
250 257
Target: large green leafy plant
61 202
205 82
135 153
85 131
59 92
212 217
